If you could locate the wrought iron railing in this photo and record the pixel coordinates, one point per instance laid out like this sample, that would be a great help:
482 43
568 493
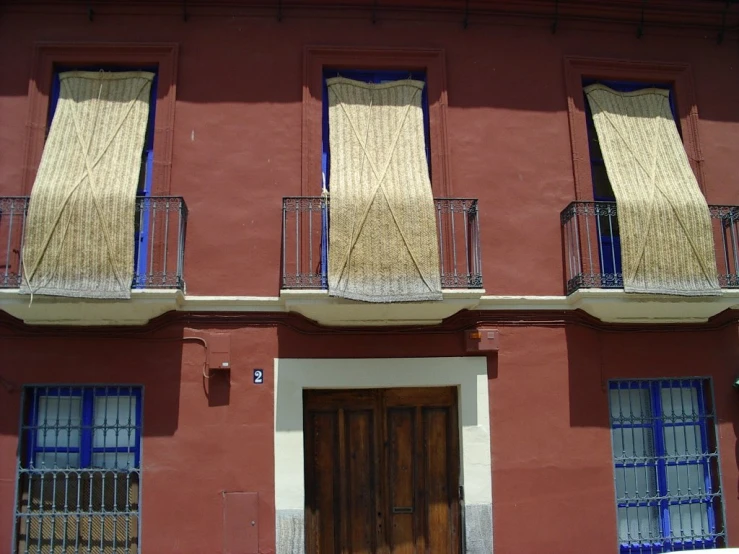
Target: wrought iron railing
305 227
159 237
592 245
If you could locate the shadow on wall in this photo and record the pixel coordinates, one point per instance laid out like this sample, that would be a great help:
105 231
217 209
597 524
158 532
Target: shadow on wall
305 346
477 57
597 356
587 384
52 357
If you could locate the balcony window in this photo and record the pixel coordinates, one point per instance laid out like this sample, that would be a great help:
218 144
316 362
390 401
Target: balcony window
607 222
304 242
382 246
650 229
97 156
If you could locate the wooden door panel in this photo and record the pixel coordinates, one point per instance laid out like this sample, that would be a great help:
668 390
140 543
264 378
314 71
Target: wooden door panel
402 509
382 471
436 440
322 479
333 400
437 396
360 495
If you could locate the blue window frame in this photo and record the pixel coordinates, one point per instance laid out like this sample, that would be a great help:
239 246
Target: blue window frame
668 494
376 76
608 232
147 159
83 427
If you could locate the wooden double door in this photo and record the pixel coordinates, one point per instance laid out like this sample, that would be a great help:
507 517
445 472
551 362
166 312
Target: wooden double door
382 471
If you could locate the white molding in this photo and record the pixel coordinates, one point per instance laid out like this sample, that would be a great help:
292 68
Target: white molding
608 305
144 305
232 304
554 303
617 306
328 310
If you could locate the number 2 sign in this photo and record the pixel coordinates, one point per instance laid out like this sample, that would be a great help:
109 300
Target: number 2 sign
258 376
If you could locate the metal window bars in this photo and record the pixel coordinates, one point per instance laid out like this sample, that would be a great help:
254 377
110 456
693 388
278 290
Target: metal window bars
159 237
79 471
306 224
592 245
666 464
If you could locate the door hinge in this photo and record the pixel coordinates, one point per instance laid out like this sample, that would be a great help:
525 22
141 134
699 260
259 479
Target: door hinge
461 492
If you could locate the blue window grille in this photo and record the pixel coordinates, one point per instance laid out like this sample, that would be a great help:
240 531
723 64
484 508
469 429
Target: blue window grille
79 470
609 237
668 491
367 76
142 224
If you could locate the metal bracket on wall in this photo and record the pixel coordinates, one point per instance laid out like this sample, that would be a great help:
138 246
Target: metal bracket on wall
722 31
466 18
279 10
374 12
640 28
185 15
90 11
555 23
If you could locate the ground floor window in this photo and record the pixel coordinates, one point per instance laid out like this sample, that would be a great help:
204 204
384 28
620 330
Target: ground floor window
668 491
79 470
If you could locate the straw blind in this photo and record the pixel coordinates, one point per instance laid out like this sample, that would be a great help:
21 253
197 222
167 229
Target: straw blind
666 238
383 243
79 238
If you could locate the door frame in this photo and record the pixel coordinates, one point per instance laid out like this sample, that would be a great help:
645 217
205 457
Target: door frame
468 374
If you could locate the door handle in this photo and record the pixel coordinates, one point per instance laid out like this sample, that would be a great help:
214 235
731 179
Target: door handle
402 509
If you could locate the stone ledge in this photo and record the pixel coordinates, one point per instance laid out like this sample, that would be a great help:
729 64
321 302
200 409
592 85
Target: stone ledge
144 305
608 305
617 306
328 310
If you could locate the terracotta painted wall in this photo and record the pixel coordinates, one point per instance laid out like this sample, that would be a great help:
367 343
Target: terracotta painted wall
199 439
237 152
553 482
237 135
551 446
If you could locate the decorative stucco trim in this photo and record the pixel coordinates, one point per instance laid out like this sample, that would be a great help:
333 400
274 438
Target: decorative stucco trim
468 374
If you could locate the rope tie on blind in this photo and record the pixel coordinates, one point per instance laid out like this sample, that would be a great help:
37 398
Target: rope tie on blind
653 187
324 191
380 177
89 166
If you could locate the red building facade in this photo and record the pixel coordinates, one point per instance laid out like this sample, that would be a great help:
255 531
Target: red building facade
262 414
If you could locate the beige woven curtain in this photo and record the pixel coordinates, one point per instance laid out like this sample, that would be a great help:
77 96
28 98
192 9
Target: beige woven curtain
383 244
666 238
79 237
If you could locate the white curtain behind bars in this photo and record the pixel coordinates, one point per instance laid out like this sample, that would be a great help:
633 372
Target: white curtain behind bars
79 238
